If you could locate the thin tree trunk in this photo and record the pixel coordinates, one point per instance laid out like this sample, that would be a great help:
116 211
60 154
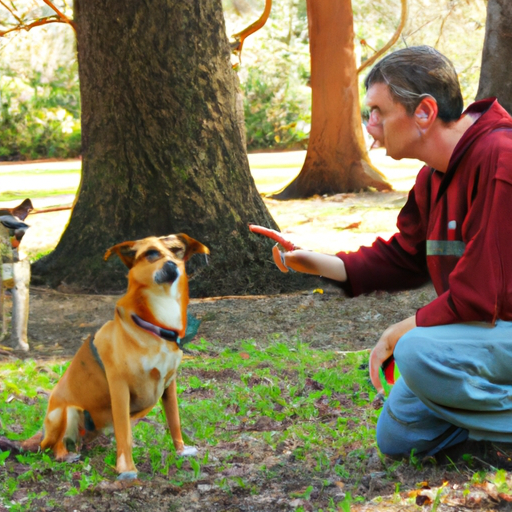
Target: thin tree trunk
495 75
336 160
162 149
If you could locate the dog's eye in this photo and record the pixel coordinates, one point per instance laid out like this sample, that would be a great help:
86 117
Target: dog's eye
152 255
179 252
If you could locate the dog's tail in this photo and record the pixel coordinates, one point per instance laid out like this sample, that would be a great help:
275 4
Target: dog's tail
6 445
16 447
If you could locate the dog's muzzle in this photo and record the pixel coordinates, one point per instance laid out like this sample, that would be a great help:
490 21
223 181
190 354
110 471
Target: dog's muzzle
167 274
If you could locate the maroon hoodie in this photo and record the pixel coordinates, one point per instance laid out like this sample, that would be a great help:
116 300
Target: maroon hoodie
455 229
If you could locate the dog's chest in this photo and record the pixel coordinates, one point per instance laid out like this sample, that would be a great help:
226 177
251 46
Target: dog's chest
166 307
156 372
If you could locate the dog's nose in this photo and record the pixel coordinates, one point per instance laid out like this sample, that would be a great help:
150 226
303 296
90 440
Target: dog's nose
167 274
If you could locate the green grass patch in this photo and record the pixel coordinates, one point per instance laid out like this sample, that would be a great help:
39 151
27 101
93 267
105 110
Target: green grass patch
9 195
285 393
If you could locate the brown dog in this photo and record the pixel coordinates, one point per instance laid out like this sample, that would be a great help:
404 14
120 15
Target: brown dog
132 361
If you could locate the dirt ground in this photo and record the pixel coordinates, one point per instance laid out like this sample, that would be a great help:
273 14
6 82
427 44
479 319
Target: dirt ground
60 320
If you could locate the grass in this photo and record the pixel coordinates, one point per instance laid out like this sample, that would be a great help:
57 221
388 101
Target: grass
9 195
271 171
312 399
283 397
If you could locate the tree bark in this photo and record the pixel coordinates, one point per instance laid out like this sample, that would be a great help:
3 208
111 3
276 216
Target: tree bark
162 149
336 160
495 75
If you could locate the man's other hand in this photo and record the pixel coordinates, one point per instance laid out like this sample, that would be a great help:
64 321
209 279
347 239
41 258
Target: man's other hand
385 346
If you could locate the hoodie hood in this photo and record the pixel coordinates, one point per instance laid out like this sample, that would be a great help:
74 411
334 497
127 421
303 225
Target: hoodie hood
492 117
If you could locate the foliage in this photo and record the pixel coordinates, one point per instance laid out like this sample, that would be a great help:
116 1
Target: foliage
277 115
39 81
300 418
274 74
39 95
275 64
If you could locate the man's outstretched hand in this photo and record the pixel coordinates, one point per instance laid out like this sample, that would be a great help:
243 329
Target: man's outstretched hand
273 235
300 260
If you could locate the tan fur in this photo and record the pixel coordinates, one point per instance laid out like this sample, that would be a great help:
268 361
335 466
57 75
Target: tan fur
139 367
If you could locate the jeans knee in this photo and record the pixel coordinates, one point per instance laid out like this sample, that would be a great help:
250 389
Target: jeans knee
410 353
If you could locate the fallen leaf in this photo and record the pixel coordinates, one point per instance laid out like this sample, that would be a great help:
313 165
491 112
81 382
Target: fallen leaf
353 225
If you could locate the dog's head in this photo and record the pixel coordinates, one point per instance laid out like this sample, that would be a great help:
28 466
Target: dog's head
178 247
158 284
20 212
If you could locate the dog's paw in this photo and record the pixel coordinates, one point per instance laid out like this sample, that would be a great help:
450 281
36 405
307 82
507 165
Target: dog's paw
70 457
127 475
188 451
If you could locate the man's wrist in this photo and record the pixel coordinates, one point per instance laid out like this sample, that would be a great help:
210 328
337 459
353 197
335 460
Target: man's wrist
283 261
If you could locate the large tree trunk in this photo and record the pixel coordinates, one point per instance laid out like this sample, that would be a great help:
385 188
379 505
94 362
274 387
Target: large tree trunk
336 160
162 150
495 75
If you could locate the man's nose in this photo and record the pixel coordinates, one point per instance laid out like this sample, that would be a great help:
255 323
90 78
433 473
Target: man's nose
374 121
375 130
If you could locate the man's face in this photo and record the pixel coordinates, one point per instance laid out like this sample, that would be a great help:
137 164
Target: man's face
389 124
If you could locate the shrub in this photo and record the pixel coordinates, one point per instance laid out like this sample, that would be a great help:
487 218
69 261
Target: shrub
40 96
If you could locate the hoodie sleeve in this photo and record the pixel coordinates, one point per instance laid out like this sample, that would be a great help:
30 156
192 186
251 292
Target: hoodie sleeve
400 262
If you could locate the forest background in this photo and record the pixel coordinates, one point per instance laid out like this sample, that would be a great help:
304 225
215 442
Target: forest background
40 92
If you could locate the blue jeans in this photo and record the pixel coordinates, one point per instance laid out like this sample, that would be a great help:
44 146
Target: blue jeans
456 383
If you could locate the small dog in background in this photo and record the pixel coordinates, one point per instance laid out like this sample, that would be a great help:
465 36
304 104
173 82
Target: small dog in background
132 362
14 273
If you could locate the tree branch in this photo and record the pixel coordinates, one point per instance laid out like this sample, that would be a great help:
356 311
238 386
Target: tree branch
37 23
240 37
390 43
445 18
18 19
60 14
58 17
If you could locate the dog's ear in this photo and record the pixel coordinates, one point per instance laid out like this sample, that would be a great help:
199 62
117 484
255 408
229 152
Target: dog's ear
22 210
125 252
192 246
184 246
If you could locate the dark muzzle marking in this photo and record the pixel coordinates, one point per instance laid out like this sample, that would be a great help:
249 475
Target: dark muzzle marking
167 274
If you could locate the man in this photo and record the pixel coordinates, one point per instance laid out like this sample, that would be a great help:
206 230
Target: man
455 354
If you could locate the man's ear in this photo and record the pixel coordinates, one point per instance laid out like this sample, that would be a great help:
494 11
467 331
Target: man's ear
426 112
124 251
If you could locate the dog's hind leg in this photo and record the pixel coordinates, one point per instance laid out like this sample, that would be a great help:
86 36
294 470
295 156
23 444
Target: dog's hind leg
61 432
172 413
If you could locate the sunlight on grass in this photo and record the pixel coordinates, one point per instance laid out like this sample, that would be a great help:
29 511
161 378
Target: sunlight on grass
271 172
35 194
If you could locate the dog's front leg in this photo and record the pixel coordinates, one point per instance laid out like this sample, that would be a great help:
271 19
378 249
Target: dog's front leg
172 413
120 397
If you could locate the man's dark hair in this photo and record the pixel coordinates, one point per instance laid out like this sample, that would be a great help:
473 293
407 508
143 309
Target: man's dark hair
418 71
